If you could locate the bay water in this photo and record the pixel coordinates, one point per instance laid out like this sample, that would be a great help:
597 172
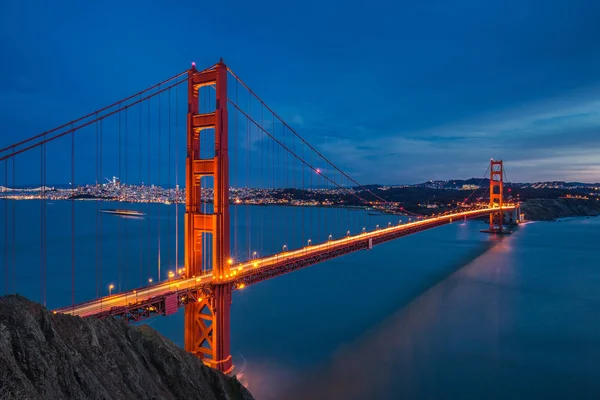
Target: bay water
444 314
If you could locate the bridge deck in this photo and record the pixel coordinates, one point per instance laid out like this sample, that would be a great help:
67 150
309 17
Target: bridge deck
149 301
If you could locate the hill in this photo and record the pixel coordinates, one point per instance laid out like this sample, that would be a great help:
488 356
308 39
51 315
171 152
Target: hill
48 356
550 209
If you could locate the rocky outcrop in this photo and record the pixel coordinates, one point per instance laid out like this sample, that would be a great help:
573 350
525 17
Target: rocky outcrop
52 356
550 209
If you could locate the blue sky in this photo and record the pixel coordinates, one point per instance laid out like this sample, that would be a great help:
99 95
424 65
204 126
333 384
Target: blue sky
393 92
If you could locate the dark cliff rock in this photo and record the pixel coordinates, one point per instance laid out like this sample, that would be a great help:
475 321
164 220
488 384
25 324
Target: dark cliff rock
48 356
550 209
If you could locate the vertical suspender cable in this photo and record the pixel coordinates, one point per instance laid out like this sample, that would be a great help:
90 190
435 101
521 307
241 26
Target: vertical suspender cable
5 190
287 181
158 183
261 156
293 186
72 216
273 228
43 224
248 164
148 187
120 238
126 147
177 177
97 206
140 178
247 178
312 213
14 226
304 193
169 183
126 236
235 159
100 230
45 228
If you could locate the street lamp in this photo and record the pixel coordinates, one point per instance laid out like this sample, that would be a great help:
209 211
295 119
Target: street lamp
330 236
377 227
171 274
365 229
309 242
253 255
284 247
348 233
110 288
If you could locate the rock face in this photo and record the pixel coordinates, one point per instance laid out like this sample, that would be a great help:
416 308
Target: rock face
48 356
550 209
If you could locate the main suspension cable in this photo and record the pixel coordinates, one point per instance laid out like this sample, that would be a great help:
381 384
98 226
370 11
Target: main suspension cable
77 128
12 146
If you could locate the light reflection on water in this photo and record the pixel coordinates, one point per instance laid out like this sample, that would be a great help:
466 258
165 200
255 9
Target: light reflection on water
516 322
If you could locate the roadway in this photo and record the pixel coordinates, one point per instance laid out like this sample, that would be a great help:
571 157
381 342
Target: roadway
240 272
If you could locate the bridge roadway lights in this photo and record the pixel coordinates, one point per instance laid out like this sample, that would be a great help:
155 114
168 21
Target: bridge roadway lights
214 295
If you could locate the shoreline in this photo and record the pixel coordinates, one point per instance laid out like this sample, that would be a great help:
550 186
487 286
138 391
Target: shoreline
534 209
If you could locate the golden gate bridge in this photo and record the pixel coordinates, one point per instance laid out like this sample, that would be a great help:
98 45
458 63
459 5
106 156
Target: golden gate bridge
228 136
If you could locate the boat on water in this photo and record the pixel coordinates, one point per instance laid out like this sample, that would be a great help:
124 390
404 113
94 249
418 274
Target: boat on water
130 213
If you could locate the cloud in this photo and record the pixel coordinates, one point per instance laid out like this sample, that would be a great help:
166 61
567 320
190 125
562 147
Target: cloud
553 139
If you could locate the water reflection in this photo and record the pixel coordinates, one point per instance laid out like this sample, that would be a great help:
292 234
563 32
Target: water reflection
510 324
388 361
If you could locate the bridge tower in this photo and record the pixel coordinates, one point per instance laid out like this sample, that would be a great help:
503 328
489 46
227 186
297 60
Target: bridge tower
207 321
496 194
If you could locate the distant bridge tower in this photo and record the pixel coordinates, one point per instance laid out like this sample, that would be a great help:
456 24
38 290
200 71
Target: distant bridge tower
496 195
207 328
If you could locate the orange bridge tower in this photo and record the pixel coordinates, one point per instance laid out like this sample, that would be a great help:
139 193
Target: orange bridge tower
496 195
207 321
